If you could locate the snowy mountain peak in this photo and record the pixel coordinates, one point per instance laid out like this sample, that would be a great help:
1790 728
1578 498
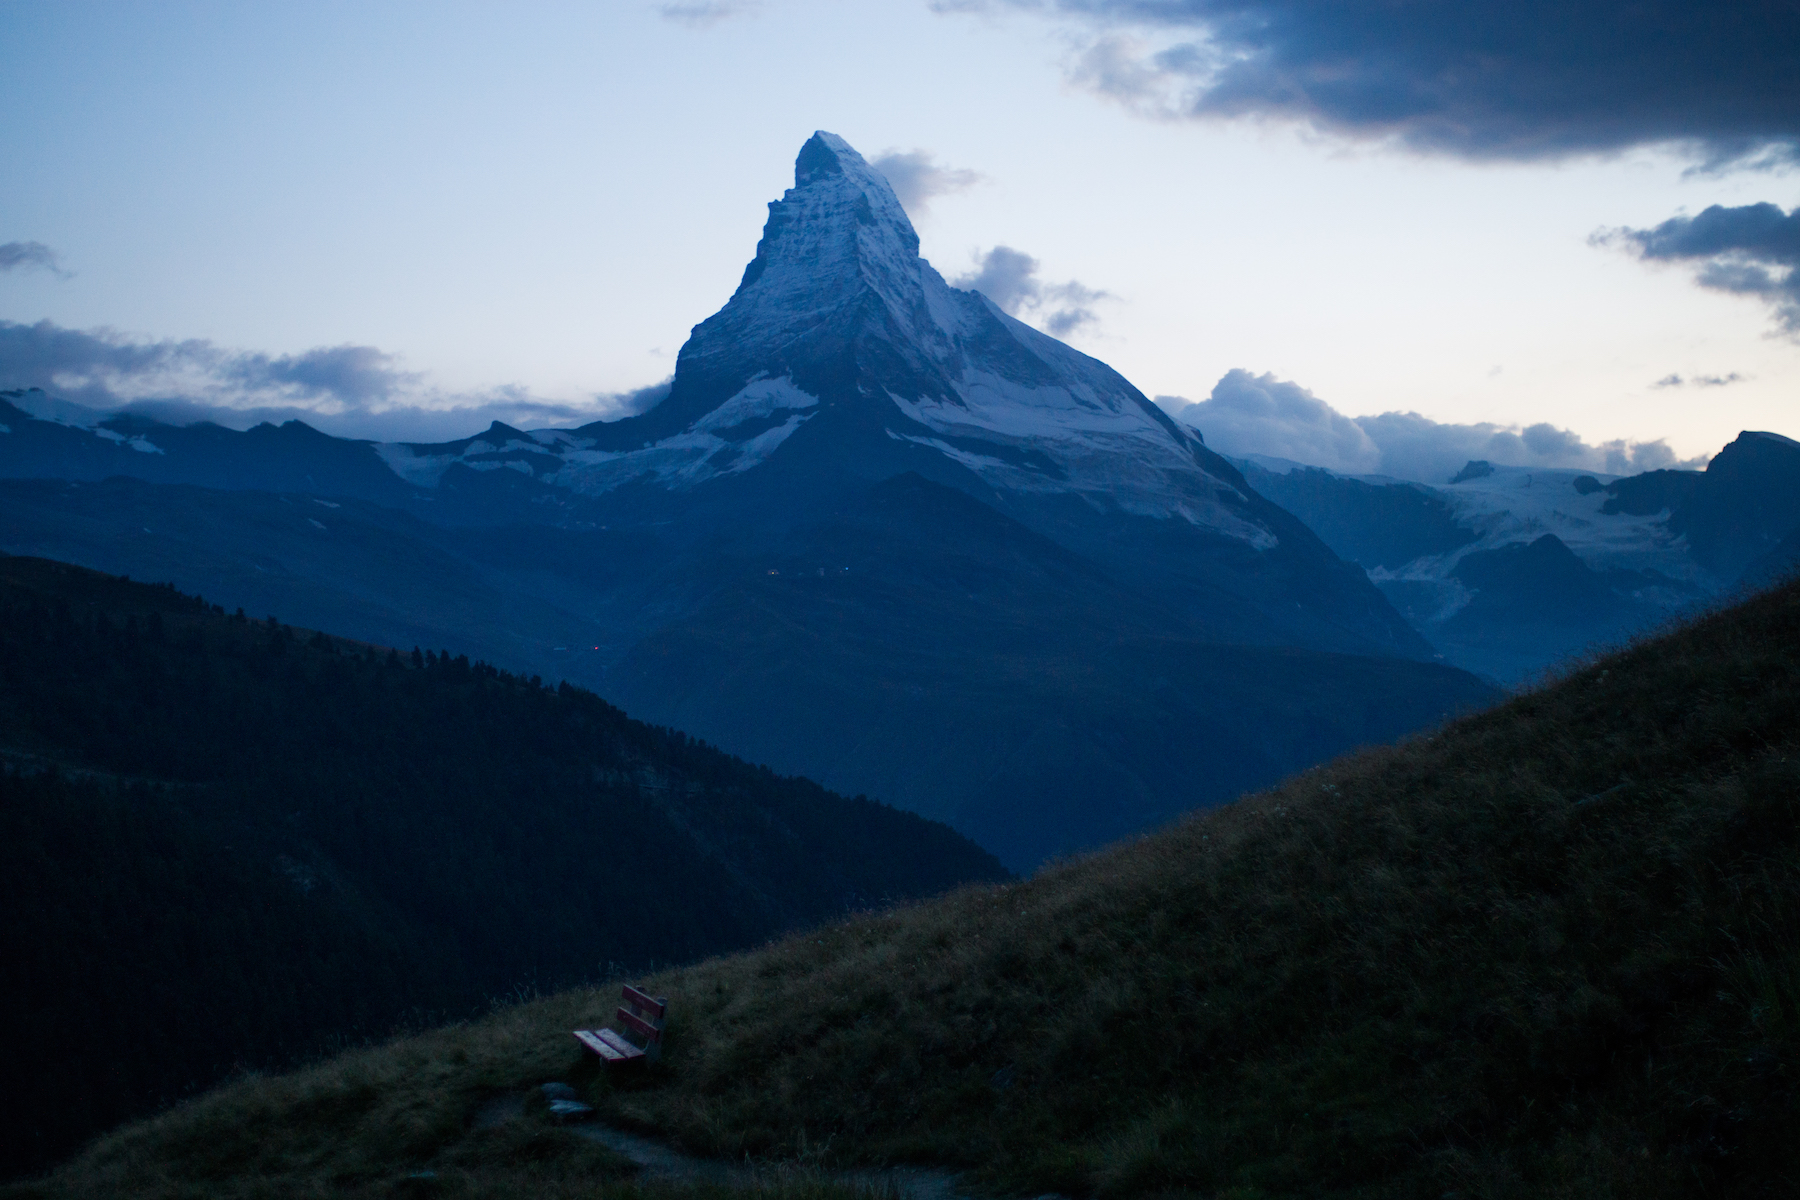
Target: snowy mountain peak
887 367
827 158
832 180
843 355
835 241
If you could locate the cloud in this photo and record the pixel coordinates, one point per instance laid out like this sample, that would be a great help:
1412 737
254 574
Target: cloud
446 420
1248 414
101 368
24 256
1069 307
917 179
1482 79
355 375
1750 250
1124 68
1008 277
351 391
1260 414
703 15
1699 381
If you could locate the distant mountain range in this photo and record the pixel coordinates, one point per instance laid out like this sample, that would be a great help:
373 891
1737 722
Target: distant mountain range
1509 569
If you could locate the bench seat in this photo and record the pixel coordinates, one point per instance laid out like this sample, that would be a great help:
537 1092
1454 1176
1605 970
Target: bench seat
642 1014
608 1045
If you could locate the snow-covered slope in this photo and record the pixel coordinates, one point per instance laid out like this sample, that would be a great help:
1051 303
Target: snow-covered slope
1500 505
1622 570
36 405
1507 569
1521 504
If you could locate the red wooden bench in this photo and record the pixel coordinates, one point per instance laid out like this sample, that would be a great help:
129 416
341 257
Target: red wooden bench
642 1014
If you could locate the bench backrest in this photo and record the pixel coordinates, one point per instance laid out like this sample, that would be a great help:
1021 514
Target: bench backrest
644 1015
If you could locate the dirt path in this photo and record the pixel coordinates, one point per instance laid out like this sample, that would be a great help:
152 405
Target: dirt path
661 1162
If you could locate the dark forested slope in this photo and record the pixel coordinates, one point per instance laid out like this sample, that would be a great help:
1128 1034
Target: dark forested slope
226 841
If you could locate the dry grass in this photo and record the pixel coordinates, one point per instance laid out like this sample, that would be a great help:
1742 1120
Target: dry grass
395 1120
1553 950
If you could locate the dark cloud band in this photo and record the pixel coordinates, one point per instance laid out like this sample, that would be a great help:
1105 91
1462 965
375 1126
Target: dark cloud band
1486 79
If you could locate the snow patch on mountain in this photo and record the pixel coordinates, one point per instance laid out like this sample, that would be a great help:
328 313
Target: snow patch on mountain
34 403
760 398
1508 505
733 437
1521 504
1015 406
834 240
1074 437
138 442
420 470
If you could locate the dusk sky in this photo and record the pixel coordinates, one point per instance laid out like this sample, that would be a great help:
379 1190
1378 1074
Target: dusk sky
1485 214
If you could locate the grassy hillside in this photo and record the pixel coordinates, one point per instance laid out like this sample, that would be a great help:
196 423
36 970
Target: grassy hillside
227 842
1552 950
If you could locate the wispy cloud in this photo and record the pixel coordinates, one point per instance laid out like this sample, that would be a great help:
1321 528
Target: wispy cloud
1260 414
703 14
353 391
917 178
27 256
1009 278
1699 381
1483 79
